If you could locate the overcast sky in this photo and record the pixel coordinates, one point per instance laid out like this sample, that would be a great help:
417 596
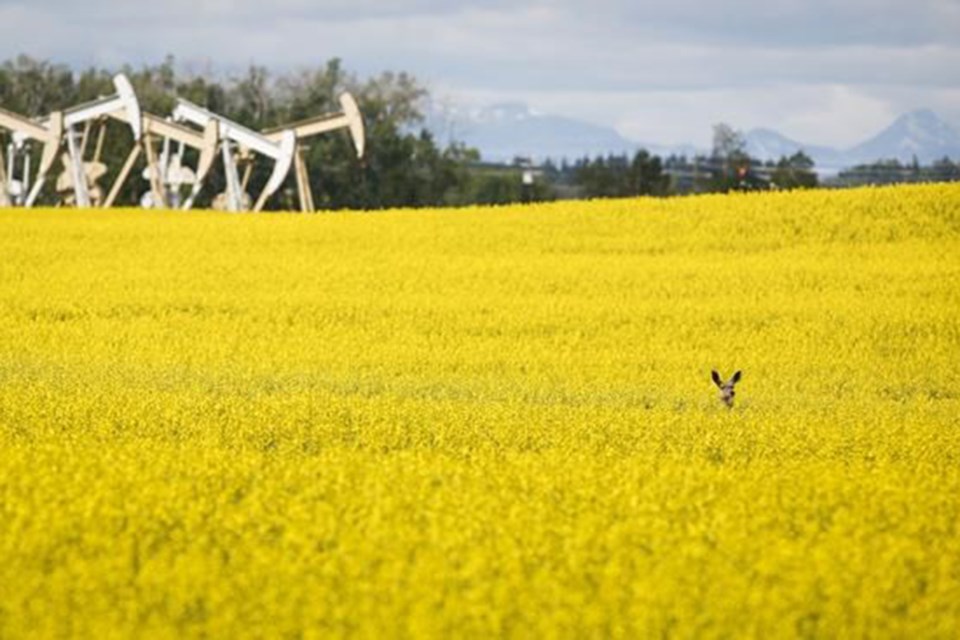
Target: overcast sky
821 71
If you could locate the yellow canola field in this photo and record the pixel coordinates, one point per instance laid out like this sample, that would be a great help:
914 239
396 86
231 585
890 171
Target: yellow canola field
489 422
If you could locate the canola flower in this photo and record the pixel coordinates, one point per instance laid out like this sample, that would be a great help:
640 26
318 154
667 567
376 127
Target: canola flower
486 422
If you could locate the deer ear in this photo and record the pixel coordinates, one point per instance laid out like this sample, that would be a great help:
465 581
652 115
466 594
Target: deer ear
716 378
736 377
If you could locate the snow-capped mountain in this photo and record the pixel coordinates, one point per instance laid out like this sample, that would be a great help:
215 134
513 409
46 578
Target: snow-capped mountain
918 133
504 131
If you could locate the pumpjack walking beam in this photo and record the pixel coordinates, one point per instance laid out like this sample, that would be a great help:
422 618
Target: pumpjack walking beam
48 133
235 137
122 105
348 118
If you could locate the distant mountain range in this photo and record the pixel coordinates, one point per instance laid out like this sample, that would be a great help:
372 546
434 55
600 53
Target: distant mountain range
504 131
918 134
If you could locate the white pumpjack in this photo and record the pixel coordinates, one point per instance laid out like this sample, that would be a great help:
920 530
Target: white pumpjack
348 118
237 140
167 172
49 134
81 176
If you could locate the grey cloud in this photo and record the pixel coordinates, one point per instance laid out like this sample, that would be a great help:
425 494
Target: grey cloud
787 22
615 48
609 45
237 13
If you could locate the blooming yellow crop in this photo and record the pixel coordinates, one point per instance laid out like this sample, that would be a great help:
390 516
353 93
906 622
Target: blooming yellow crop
484 422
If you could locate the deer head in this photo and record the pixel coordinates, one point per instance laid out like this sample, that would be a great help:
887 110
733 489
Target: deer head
726 388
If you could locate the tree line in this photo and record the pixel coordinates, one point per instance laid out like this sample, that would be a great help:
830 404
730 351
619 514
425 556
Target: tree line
403 164
893 171
727 167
